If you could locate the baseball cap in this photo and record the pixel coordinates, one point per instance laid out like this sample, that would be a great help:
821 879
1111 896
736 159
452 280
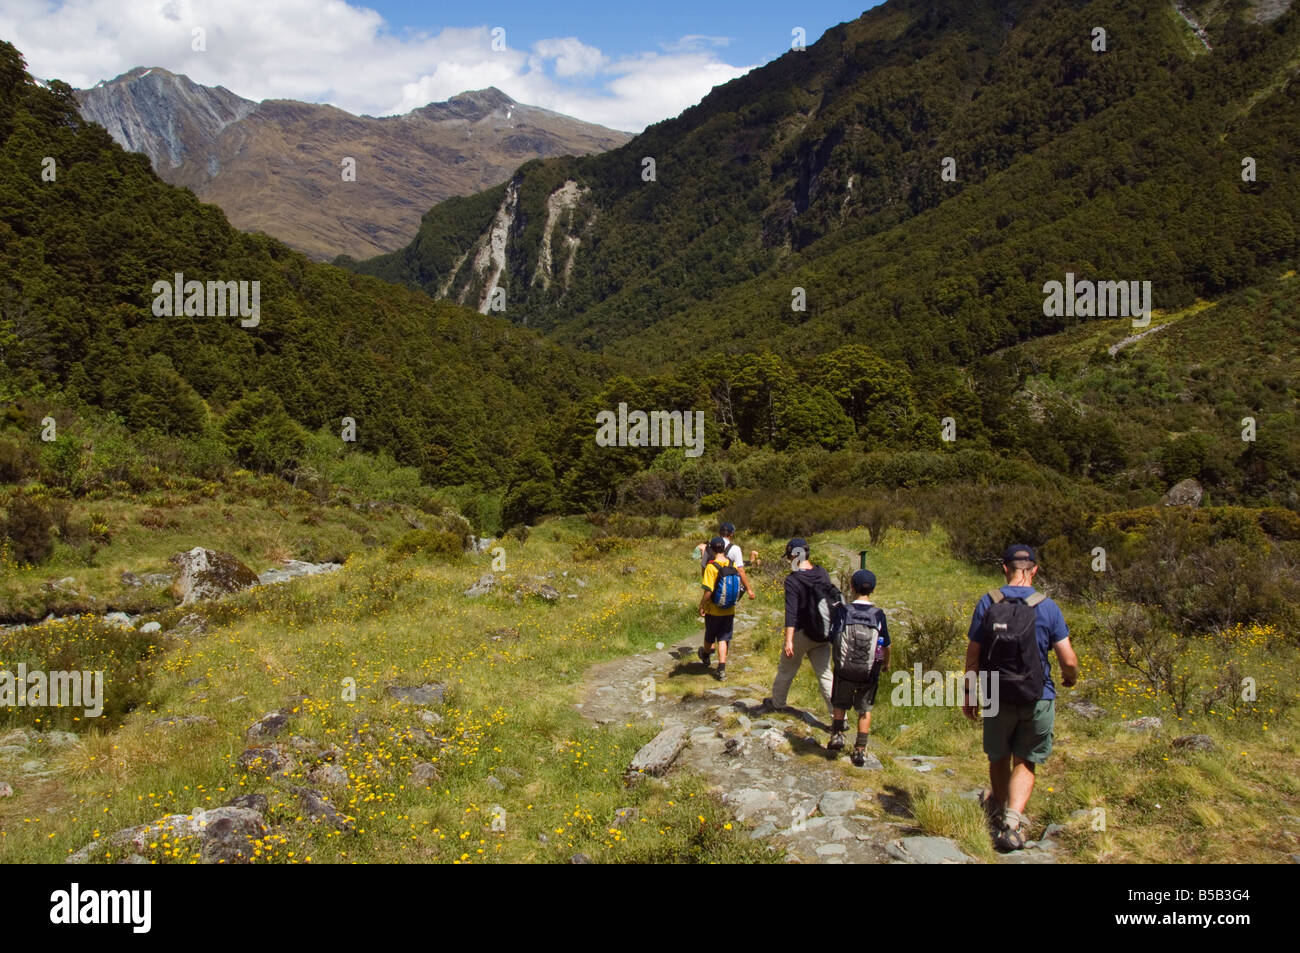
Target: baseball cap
864 581
1019 553
796 543
726 529
717 544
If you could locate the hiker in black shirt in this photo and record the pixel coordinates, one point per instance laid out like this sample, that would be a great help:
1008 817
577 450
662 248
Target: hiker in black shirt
798 606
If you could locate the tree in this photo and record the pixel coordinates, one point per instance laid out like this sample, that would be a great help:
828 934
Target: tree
261 434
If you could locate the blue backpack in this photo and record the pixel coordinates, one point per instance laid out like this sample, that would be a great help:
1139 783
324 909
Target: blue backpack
726 589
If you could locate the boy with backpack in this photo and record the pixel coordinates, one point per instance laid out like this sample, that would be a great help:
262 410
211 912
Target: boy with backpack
733 553
1012 631
722 588
860 652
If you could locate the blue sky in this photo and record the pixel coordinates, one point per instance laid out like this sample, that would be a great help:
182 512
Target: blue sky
619 64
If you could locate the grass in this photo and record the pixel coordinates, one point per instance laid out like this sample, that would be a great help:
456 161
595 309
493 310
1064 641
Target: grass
513 668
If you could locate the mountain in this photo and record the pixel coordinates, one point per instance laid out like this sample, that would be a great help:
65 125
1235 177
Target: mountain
87 239
915 177
276 166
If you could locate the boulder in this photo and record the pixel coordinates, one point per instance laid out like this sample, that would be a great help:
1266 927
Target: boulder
486 583
836 803
1195 742
424 773
269 759
1185 493
225 835
149 628
295 569
1146 723
1085 709
268 726
329 776
658 754
253 802
208 574
315 806
927 850
430 693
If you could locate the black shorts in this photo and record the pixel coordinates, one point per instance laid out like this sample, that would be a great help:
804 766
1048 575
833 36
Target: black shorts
717 628
859 695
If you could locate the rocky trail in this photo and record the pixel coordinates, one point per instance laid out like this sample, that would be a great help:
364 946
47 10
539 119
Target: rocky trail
771 768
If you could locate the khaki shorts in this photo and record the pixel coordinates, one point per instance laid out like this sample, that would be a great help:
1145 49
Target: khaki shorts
1021 730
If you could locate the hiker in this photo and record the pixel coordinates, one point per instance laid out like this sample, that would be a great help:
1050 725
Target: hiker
721 582
1011 631
803 635
733 553
859 654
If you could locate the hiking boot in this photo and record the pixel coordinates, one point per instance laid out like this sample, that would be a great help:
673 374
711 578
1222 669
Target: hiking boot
704 654
1011 837
722 673
859 756
767 705
837 741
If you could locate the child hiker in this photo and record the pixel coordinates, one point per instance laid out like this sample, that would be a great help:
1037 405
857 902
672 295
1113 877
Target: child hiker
859 655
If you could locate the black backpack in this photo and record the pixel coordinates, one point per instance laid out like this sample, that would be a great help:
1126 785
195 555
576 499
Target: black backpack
854 652
823 614
1009 647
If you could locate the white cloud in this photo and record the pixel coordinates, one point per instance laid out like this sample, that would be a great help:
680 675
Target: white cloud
332 51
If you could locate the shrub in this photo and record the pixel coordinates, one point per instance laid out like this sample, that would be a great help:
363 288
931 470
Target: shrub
929 638
433 543
29 527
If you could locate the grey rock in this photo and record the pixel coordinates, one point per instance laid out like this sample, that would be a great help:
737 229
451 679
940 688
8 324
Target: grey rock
430 718
119 619
510 774
494 782
6 789
1195 742
60 739
838 803
766 829
1185 493
181 721
870 762
295 569
190 625
430 693
486 583
424 773
130 579
1053 830
209 574
624 815
747 801
10 752
151 627
827 850
329 775
1085 708
252 802
16 737
268 726
658 754
316 807
579 859
927 850
1146 723
267 760
226 836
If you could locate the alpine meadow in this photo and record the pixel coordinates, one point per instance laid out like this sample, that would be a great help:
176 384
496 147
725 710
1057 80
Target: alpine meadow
507 546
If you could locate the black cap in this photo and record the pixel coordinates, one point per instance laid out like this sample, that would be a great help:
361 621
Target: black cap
864 581
1019 556
726 529
794 544
717 544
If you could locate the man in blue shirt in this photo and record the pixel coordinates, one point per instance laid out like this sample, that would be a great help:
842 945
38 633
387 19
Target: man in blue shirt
1018 737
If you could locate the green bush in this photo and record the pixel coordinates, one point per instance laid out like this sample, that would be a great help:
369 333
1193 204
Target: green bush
29 527
433 543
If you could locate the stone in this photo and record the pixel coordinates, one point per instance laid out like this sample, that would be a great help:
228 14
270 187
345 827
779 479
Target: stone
658 754
316 807
1085 708
268 726
579 859
225 836
870 763
424 773
60 739
747 801
253 802
624 815
774 740
16 737
1146 723
265 760
1052 830
494 782
548 593
209 574
181 721
430 693
119 619
927 850
329 776
430 718
509 773
838 803
486 583
827 850
1184 493
6 789
151 627
295 569
190 625
130 579
1195 742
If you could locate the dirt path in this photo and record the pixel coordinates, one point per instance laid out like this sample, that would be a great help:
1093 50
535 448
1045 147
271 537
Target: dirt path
772 769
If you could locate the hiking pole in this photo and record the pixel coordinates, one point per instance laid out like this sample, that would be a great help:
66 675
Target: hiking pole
862 559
